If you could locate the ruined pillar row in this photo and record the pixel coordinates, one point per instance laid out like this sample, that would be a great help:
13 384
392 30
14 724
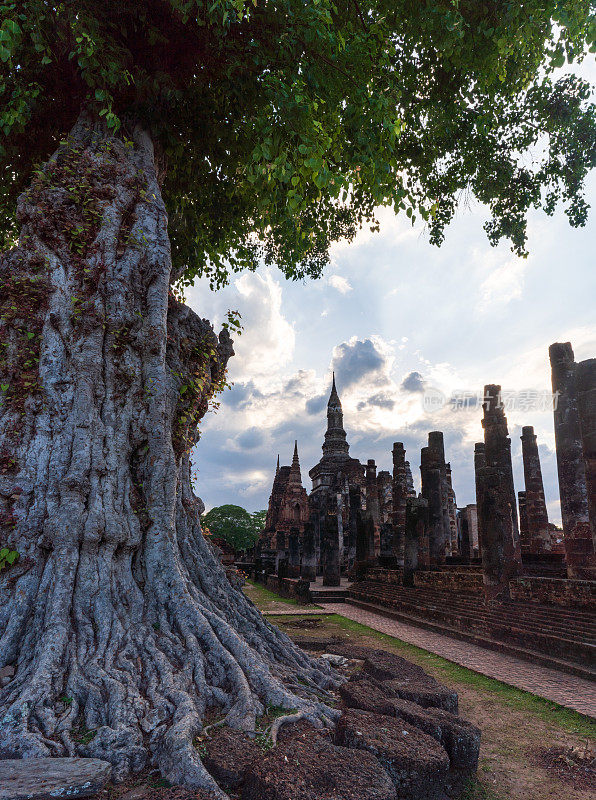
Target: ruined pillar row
538 532
479 463
400 493
414 545
573 492
501 551
586 406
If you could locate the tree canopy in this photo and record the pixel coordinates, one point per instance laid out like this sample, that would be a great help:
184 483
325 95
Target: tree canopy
282 124
235 525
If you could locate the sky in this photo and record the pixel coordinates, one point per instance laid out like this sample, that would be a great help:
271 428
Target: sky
400 321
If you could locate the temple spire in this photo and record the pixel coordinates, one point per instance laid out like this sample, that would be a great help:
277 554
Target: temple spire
277 467
335 438
295 475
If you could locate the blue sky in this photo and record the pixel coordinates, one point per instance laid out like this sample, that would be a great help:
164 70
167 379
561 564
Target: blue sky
394 315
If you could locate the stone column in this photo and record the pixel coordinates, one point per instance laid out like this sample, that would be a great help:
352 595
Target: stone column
280 547
400 493
436 443
579 546
538 530
586 406
433 484
308 568
331 572
415 522
501 552
524 533
452 511
495 508
372 506
294 552
355 505
479 463
464 528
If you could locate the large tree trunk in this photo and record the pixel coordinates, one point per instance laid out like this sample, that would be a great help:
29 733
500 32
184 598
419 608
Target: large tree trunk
117 617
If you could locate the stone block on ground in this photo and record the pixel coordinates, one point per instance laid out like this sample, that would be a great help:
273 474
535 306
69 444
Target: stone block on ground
460 738
364 692
228 755
426 693
51 778
417 764
387 666
317 770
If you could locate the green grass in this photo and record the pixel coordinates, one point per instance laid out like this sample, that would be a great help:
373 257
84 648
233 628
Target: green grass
260 594
550 712
477 791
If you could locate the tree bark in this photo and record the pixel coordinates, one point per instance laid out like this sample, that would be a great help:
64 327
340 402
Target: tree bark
117 617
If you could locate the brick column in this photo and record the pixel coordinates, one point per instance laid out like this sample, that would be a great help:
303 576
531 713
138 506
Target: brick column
400 493
294 552
498 563
586 405
372 506
524 533
579 546
479 463
537 517
501 552
452 511
331 571
436 443
431 472
415 522
308 568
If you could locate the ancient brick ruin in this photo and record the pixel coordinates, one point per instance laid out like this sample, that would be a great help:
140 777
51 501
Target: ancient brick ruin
404 550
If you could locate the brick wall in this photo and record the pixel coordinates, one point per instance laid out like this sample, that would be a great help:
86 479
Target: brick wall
455 581
556 591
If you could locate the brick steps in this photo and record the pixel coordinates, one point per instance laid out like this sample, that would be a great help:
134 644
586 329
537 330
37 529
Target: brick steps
533 656
555 633
551 615
481 618
549 619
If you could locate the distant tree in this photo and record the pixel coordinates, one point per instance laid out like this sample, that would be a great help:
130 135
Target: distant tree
258 522
150 142
233 524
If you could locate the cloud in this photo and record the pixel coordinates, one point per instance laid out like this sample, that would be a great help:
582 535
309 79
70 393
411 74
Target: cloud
356 359
379 400
413 382
250 439
341 284
316 404
503 285
268 339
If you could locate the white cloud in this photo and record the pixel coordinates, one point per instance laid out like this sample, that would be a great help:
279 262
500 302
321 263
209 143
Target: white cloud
341 284
504 284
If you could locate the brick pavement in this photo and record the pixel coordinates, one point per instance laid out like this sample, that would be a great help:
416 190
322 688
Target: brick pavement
567 690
